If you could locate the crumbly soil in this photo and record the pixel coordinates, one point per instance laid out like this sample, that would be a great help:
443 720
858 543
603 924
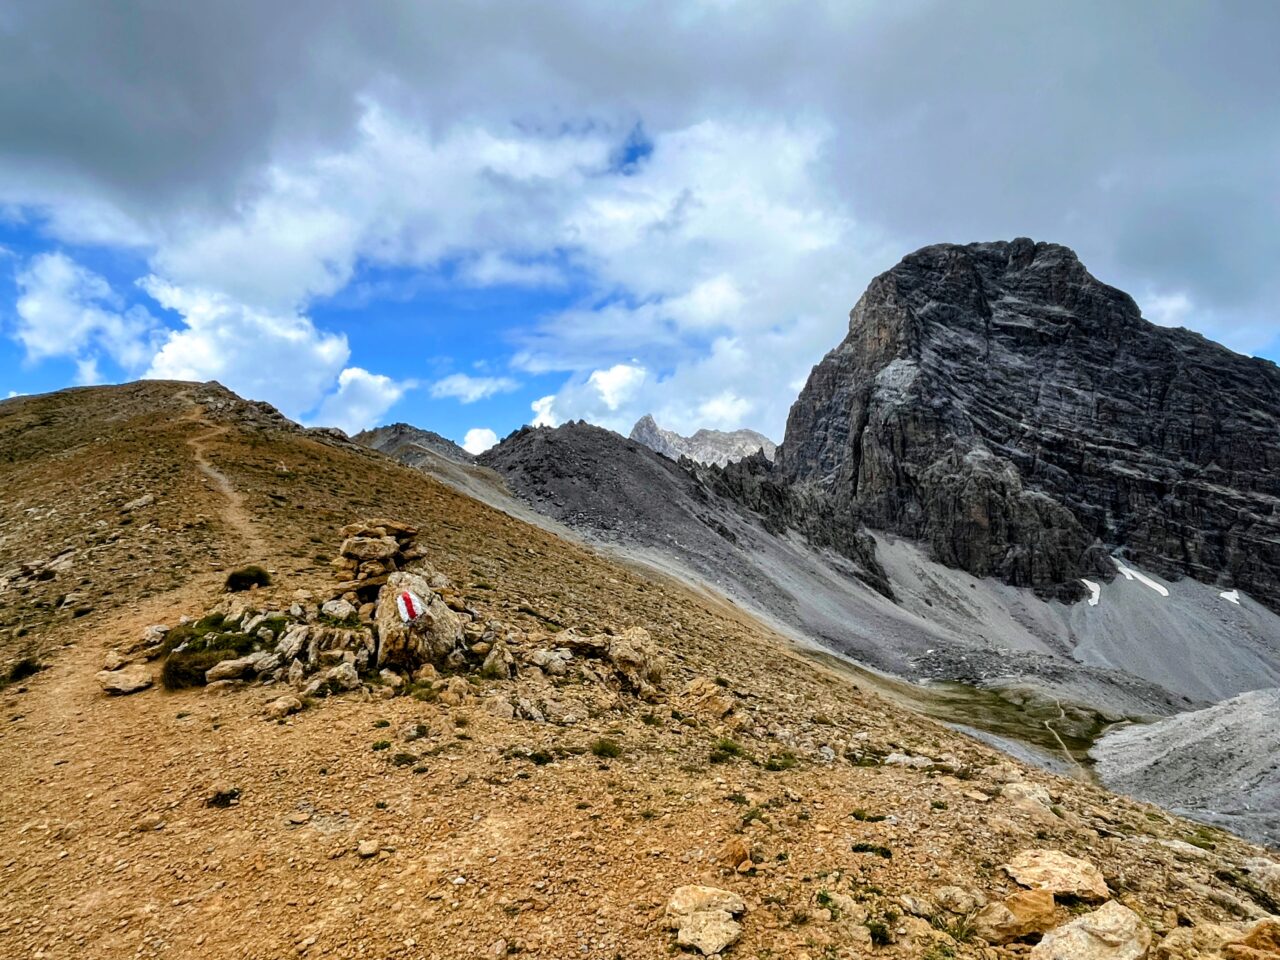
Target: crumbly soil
500 836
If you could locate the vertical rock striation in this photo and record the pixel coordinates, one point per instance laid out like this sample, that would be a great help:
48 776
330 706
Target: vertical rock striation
999 403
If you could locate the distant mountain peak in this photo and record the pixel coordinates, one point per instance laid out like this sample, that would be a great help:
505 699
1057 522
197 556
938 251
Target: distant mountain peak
394 437
716 447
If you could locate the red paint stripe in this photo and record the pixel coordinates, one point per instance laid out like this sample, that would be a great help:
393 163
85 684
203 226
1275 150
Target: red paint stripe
408 605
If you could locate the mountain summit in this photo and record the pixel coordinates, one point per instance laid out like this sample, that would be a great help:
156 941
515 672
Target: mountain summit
1001 404
706 446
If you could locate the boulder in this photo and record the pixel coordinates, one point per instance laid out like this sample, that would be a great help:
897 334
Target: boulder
369 548
338 609
1025 913
635 659
958 899
1202 942
703 918
114 660
1260 942
554 663
1112 932
1060 874
499 664
281 707
238 668
431 638
128 680
334 680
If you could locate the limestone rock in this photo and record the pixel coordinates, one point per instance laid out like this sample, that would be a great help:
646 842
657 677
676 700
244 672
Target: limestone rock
635 658
703 918
1025 913
125 681
1060 874
1112 932
235 669
431 638
1202 942
281 707
339 609
499 664
1260 942
958 899
369 548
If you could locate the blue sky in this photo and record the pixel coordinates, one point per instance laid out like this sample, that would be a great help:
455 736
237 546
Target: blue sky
481 215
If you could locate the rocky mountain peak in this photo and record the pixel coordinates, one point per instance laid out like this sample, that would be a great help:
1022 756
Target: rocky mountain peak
708 447
998 402
397 438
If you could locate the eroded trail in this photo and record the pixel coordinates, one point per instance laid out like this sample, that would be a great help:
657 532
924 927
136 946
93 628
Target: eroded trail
233 513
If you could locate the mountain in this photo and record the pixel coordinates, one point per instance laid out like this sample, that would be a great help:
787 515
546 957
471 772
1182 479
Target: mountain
402 441
999 404
208 690
705 446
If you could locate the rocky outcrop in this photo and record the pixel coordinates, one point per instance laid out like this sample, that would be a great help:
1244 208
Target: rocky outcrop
404 442
999 403
706 446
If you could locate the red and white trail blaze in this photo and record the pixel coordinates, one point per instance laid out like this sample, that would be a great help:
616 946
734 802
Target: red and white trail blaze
410 606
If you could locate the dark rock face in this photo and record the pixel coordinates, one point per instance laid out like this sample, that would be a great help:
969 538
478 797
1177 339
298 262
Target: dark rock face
706 446
400 440
1002 405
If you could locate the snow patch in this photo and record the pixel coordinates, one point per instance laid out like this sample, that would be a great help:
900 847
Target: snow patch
1131 574
1095 591
1231 596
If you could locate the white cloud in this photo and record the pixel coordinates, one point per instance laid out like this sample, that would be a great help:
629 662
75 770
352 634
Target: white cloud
617 384
1168 310
87 373
478 440
66 310
279 357
360 400
469 389
544 412
492 269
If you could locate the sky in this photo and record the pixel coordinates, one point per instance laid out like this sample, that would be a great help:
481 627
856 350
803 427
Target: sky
475 215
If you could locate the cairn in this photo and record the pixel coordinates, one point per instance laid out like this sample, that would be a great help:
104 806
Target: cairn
371 551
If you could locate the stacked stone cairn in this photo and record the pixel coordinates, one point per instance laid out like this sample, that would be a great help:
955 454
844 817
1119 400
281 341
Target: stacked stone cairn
357 640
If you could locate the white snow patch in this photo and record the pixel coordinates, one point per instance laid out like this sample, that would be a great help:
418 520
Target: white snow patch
1131 574
1095 591
1231 596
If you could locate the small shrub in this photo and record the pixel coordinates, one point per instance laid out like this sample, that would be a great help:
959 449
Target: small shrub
404 759
382 745
606 748
726 750
188 667
781 761
880 935
937 804
379 724
540 758
245 578
27 666
874 848
863 817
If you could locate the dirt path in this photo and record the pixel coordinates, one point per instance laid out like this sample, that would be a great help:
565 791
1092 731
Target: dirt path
233 513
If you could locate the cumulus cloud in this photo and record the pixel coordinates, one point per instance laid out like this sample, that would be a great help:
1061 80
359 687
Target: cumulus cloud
469 389
478 440
280 357
359 401
66 310
722 183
